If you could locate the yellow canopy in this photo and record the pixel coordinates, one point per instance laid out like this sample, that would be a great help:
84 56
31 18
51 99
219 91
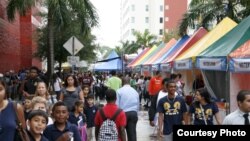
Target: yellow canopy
220 30
66 65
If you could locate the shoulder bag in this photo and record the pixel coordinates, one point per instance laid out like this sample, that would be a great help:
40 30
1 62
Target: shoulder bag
203 114
20 134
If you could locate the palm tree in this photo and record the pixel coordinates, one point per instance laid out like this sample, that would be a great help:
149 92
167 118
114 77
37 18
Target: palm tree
144 39
168 36
59 13
129 47
204 12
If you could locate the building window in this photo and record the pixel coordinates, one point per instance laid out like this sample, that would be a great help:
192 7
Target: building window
146 8
132 19
160 32
146 20
161 20
161 8
166 19
133 7
166 7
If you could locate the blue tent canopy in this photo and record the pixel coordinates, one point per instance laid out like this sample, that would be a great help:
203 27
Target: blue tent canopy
112 62
112 56
179 43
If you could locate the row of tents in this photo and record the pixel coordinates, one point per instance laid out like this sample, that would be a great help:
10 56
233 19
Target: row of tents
221 55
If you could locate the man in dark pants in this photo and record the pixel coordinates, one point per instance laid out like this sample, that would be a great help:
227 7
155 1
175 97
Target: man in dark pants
128 100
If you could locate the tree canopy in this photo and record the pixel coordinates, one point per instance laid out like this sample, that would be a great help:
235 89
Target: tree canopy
205 12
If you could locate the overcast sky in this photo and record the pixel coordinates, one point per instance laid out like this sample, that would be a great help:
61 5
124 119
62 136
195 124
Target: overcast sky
108 32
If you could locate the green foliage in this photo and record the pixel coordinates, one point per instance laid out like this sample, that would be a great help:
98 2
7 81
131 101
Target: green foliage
60 15
61 37
170 35
144 39
20 6
204 12
129 48
119 50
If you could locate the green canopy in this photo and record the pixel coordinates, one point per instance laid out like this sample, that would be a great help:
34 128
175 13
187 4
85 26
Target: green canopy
230 41
215 56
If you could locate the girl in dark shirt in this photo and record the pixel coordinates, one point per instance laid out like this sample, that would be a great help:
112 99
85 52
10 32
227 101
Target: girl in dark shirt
71 92
203 109
77 117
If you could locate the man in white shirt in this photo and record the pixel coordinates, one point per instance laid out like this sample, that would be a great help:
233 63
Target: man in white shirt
128 101
241 116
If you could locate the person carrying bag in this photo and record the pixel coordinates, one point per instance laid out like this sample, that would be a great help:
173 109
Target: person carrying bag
21 133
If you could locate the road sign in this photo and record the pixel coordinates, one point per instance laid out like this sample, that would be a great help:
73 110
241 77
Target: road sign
73 60
73 45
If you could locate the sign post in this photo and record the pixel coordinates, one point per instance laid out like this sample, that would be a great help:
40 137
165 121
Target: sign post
73 46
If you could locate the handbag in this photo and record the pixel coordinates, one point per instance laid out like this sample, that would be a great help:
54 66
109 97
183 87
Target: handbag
20 133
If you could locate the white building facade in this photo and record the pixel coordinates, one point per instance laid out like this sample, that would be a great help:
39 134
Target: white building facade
141 15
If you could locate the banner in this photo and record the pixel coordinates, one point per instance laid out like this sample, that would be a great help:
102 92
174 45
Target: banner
212 63
239 65
146 68
155 67
165 67
183 64
137 69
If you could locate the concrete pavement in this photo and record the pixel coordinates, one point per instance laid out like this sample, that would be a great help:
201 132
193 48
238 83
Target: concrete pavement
144 130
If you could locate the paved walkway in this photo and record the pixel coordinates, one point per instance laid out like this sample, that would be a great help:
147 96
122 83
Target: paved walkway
144 130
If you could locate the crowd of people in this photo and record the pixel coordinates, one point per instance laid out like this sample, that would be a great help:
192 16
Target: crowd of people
73 114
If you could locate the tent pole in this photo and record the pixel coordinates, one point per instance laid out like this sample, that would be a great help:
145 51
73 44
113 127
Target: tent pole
193 79
227 102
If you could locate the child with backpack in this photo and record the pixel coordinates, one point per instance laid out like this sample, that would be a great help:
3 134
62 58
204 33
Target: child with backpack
78 118
110 121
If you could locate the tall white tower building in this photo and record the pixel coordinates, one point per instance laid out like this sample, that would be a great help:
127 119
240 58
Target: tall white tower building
141 15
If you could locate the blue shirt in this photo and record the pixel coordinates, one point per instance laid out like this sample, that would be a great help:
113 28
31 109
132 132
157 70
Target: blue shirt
32 138
74 120
173 110
8 123
52 133
90 113
128 99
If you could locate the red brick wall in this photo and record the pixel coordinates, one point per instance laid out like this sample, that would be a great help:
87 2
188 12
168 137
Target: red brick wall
16 42
176 9
9 41
26 40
